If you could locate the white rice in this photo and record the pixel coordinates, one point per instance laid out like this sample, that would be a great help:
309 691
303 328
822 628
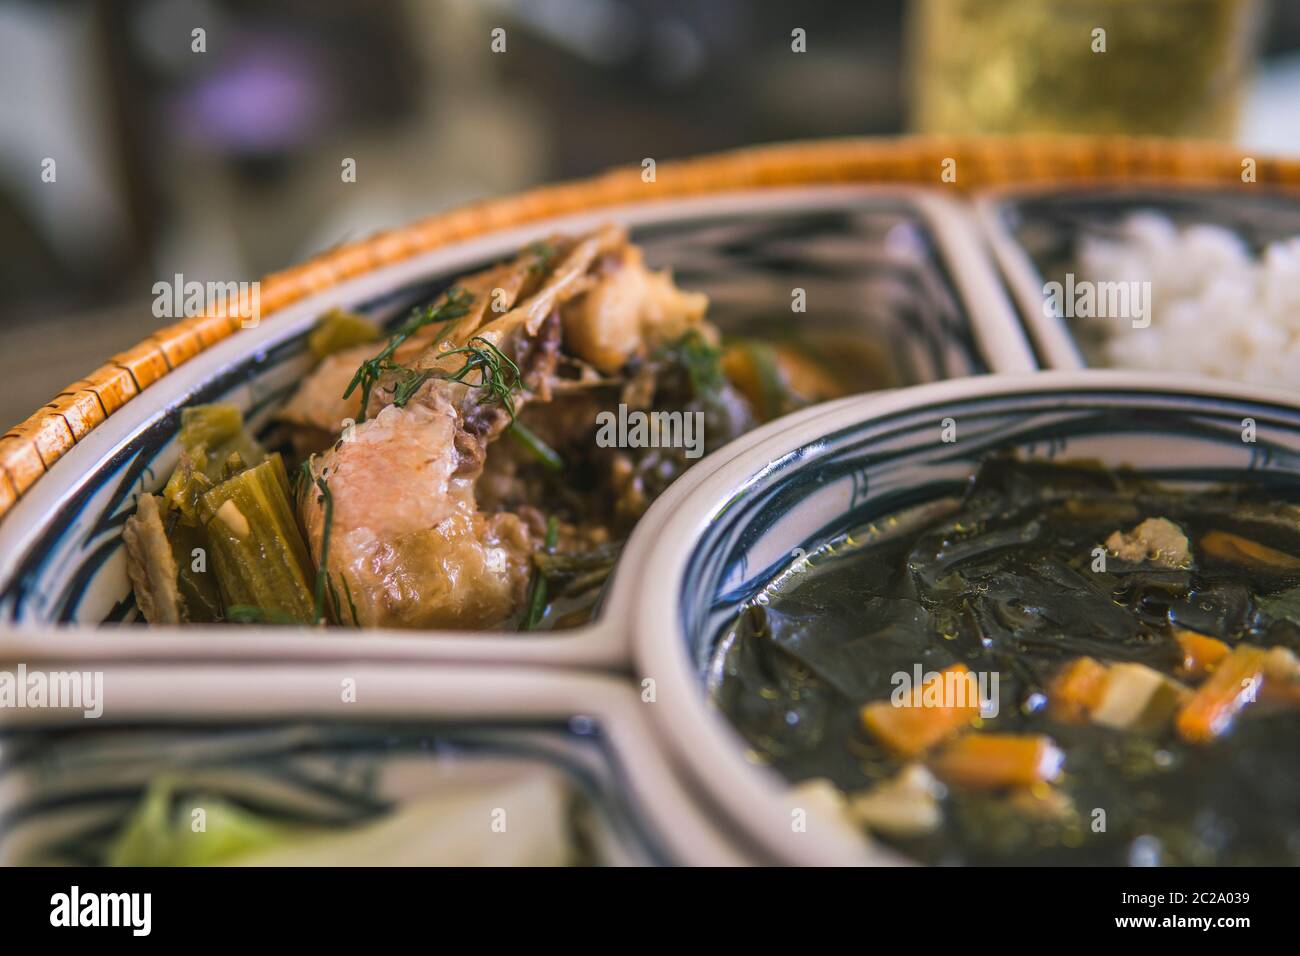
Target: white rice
1215 308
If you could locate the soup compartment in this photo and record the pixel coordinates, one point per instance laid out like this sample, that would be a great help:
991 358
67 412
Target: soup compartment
722 541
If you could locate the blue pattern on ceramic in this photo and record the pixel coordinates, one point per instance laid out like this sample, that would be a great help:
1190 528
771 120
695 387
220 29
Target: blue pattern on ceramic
65 791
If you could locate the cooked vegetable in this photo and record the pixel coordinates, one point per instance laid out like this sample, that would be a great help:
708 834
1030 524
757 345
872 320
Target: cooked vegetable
1077 691
162 831
438 829
1201 654
259 554
990 761
538 448
1233 685
906 805
776 378
912 729
199 592
217 431
1282 677
338 330
537 602
1136 697
1239 550
151 565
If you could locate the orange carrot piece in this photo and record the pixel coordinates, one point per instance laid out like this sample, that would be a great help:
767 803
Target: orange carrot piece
1077 690
1201 654
1234 684
1239 550
910 730
1281 677
990 761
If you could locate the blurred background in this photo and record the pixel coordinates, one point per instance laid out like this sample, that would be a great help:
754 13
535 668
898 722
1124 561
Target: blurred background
218 154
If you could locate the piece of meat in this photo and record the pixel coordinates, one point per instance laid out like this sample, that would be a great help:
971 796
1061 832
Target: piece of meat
406 535
319 403
628 311
570 277
411 538
1157 540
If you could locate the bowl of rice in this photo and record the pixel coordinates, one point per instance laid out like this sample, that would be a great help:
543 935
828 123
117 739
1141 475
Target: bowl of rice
1184 281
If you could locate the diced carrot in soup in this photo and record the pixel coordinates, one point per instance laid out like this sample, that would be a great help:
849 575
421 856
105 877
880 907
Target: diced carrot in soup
1077 690
1201 654
914 727
1233 547
1234 684
993 761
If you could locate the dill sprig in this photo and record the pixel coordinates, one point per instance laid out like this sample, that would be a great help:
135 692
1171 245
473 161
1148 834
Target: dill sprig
542 253
701 361
352 605
537 599
498 373
543 452
455 305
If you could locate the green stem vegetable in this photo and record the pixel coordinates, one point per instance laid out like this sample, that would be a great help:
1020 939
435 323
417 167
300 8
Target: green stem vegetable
537 600
258 553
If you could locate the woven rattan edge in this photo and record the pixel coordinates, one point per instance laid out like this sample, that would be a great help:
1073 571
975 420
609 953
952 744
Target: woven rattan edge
29 449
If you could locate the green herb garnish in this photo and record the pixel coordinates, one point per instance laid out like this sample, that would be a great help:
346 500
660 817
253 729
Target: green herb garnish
454 306
701 361
543 452
498 373
537 600
352 605
542 252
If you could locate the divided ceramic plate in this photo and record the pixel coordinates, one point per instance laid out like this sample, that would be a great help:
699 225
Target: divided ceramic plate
897 266
253 718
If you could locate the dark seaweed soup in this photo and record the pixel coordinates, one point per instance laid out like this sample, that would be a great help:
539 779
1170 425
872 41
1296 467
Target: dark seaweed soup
1065 665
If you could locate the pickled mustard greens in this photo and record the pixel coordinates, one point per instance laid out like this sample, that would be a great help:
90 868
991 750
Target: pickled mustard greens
222 541
1065 664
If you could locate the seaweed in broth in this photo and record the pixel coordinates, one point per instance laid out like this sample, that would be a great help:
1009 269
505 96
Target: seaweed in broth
1023 577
